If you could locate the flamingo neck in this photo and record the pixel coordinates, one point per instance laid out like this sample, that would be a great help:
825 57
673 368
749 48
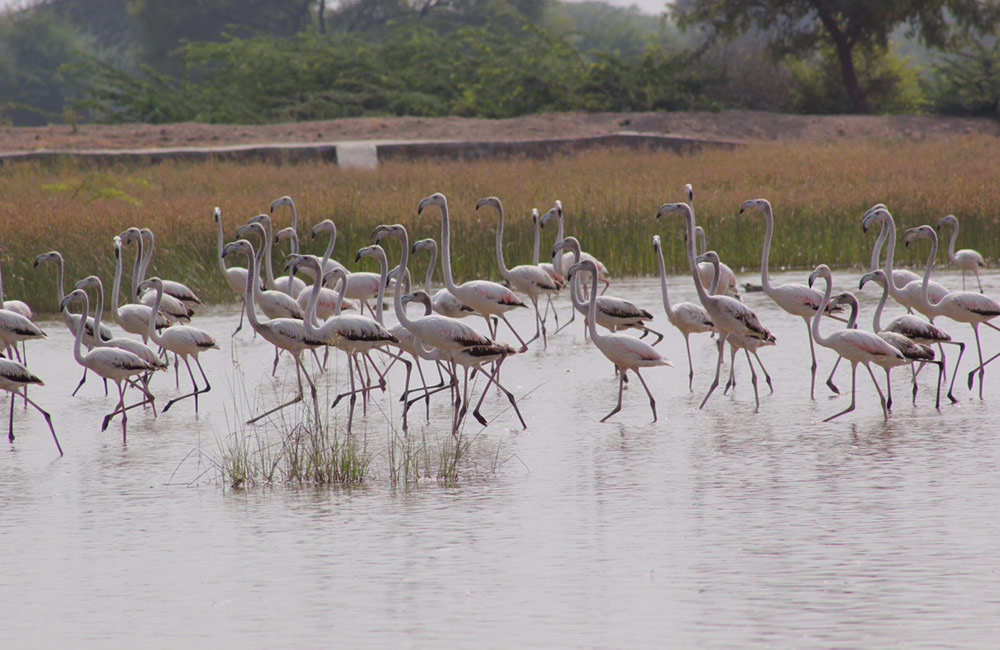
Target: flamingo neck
268 264
383 271
329 248
254 273
222 260
819 338
98 312
309 322
117 285
253 286
951 244
449 281
765 276
890 251
151 332
137 269
295 227
148 251
924 294
592 309
80 326
504 271
397 296
430 269
716 273
663 282
877 248
575 290
877 318
702 296
536 250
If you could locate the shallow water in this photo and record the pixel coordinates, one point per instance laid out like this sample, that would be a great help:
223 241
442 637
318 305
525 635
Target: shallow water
712 528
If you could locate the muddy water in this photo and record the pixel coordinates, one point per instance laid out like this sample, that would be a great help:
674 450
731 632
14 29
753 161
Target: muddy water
712 528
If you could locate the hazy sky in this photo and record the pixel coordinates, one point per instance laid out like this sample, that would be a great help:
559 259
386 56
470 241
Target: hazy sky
654 7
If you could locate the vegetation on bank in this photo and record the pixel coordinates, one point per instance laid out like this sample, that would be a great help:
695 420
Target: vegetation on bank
272 61
818 190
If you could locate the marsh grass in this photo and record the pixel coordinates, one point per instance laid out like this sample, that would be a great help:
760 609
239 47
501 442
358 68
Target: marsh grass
818 190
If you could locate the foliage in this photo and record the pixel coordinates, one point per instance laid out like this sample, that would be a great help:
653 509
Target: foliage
889 85
800 26
968 83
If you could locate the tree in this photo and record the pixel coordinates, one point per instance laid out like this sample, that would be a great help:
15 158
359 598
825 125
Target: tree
848 26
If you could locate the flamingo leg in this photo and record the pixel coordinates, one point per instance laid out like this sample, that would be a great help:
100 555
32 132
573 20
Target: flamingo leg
940 364
621 388
812 352
195 392
732 370
119 409
888 390
753 380
854 387
10 432
48 420
572 317
79 385
829 380
978 281
524 346
650 330
687 344
885 408
652 402
718 369
243 309
767 377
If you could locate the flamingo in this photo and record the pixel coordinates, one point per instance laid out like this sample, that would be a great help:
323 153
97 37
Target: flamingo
911 351
184 341
353 333
287 334
612 313
626 352
173 309
736 341
17 306
909 294
545 266
900 277
326 304
687 317
289 287
914 329
133 318
287 200
966 259
178 290
443 302
110 363
274 303
730 316
472 358
961 306
434 331
236 277
855 345
15 378
15 328
796 299
361 286
526 278
487 298
727 279
138 348
562 264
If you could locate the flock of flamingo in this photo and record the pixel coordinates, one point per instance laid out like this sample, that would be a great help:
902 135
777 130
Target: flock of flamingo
296 316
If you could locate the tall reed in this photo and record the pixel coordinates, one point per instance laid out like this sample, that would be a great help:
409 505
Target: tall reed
818 190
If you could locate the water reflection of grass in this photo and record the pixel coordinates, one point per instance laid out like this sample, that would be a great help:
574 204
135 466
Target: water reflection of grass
818 190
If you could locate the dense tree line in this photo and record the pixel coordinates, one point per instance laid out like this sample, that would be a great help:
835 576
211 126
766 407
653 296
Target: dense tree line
256 61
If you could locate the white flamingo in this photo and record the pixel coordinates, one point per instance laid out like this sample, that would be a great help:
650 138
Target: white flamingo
626 352
796 299
687 317
326 304
914 350
907 295
434 331
472 358
487 298
132 317
15 328
961 306
110 363
545 266
289 287
727 279
287 334
900 277
138 348
184 341
361 285
855 345
966 259
736 342
236 276
561 264
355 334
527 278
443 302
274 303
730 316
15 379
173 309
613 313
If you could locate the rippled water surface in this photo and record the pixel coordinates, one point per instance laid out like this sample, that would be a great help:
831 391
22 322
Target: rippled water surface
713 528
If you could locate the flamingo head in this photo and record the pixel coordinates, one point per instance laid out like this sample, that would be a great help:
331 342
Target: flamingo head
678 208
285 233
262 218
583 265
756 204
51 256
252 227
689 191
947 220
217 213
89 282
534 215
877 212
154 283
437 199
326 225
370 251
282 200
822 271
878 275
422 244
489 200
76 295
239 246
656 243
396 230
130 235
920 232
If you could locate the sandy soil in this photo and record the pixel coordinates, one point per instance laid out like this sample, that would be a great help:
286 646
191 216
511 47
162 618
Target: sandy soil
727 125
